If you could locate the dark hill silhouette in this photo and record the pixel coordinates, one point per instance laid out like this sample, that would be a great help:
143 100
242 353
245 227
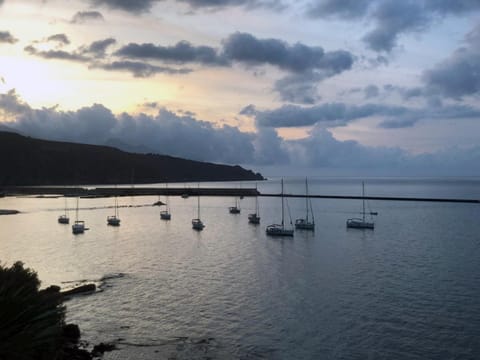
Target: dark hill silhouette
29 161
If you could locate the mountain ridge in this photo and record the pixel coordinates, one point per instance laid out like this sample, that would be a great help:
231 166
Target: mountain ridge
32 161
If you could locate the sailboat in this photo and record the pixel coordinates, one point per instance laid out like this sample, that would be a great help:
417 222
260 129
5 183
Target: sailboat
64 219
254 218
197 224
279 229
306 224
165 214
358 223
79 226
114 220
235 209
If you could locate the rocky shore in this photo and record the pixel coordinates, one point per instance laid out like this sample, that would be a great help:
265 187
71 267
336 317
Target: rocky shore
33 321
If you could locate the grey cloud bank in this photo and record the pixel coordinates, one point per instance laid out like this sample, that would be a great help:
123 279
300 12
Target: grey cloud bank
185 136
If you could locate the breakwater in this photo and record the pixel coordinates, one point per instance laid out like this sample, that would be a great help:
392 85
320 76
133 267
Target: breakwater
92 192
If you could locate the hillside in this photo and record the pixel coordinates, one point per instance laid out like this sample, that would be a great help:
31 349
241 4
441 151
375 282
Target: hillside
29 161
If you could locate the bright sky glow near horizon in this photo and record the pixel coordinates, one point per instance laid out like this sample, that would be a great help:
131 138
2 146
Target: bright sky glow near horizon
365 87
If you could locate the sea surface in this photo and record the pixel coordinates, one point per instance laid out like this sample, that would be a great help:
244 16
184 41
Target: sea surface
410 289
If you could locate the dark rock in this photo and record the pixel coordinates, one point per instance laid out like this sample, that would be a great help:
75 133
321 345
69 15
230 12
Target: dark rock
74 353
99 349
80 290
71 332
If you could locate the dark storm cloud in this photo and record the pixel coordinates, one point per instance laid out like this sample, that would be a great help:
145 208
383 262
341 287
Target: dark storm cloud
458 75
139 69
245 48
392 18
6 37
98 48
181 53
82 17
59 38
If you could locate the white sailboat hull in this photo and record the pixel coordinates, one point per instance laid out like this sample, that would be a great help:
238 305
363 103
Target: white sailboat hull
303 224
278 230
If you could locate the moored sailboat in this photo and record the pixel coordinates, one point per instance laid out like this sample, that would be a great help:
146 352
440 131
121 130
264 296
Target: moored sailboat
361 223
114 220
279 229
197 224
64 219
254 218
306 224
79 226
165 214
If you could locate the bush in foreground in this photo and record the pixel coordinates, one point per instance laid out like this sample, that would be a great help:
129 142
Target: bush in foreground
31 320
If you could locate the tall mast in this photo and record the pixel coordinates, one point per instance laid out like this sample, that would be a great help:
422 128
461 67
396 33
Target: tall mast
306 197
282 203
198 203
363 200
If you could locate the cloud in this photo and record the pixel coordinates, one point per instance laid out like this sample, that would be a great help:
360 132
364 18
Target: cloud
340 114
185 136
458 75
56 54
139 69
181 53
62 39
167 133
98 48
6 37
82 17
299 88
347 9
136 6
331 114
371 91
141 6
297 58
392 18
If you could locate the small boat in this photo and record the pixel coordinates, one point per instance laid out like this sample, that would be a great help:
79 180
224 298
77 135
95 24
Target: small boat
361 223
79 226
114 220
306 224
279 229
197 224
165 214
234 209
64 219
254 218
185 196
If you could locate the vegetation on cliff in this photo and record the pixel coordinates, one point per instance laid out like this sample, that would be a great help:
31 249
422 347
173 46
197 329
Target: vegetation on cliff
29 161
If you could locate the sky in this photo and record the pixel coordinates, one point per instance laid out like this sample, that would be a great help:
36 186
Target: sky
306 87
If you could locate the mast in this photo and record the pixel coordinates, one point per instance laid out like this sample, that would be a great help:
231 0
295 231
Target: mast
282 203
65 205
256 201
76 211
198 204
306 197
363 200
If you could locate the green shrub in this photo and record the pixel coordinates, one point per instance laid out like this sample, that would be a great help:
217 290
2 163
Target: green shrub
31 320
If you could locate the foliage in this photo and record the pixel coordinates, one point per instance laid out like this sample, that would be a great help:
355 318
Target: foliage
31 320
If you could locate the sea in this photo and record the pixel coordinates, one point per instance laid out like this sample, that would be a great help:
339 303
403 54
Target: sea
409 289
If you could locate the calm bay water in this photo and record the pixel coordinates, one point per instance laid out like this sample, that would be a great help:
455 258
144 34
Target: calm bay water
410 289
